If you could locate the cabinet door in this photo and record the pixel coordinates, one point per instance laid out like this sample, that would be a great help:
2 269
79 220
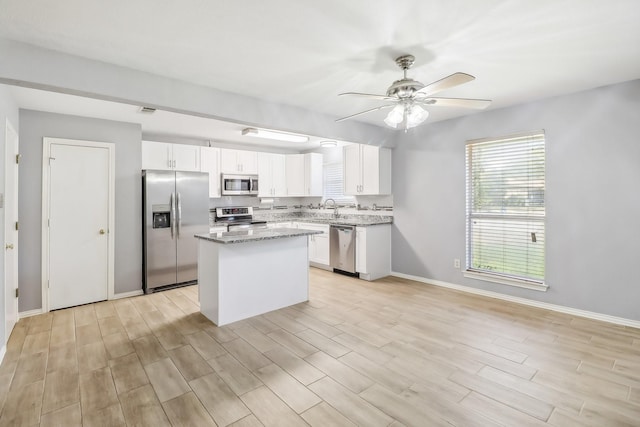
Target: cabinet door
248 161
229 161
351 169
156 155
369 166
210 162
361 250
186 157
278 175
322 249
313 174
265 175
295 174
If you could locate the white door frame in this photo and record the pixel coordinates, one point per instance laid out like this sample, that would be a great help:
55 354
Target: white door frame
10 168
46 154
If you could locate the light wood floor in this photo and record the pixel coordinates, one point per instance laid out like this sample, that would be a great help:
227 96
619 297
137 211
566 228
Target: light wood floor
392 352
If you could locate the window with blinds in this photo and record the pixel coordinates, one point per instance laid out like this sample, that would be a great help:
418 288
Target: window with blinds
505 208
333 184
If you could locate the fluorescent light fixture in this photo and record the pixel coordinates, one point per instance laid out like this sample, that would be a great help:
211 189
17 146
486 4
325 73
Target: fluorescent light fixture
328 143
271 134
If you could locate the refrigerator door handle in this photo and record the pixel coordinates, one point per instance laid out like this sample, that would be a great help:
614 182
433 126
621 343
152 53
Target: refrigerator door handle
179 215
173 213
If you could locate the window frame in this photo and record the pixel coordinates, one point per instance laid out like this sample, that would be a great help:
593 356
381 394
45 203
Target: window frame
500 277
343 199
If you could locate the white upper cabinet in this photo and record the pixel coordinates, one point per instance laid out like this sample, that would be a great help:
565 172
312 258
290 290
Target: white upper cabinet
304 174
165 156
294 165
271 175
238 161
313 174
367 170
210 162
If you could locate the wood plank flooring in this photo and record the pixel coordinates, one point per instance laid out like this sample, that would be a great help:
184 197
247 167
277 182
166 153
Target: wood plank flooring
387 353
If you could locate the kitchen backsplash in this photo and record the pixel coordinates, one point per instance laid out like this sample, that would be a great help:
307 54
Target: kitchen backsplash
289 209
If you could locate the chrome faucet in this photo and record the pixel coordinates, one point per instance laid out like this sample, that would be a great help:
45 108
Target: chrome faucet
325 204
335 207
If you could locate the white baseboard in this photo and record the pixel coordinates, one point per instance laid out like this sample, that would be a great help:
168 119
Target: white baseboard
3 351
524 301
29 313
135 293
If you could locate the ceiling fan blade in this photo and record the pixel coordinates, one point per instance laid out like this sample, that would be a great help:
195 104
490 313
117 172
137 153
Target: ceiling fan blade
370 95
453 80
456 102
365 112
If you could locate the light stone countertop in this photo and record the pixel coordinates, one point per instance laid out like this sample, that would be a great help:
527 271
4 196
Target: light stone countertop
243 236
359 222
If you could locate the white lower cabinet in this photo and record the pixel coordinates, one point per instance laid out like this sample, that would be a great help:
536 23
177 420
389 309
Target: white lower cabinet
373 251
318 244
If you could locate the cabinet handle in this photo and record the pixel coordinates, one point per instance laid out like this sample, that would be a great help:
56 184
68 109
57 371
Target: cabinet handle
174 164
168 163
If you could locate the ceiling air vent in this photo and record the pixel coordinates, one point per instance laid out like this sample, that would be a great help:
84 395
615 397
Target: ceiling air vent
147 110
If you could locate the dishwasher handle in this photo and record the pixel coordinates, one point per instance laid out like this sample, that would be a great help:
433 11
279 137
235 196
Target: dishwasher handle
344 228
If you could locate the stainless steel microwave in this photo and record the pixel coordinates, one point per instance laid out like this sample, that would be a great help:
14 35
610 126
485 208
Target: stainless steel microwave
239 185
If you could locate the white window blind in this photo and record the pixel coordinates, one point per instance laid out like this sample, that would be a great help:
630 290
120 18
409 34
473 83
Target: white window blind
505 207
333 184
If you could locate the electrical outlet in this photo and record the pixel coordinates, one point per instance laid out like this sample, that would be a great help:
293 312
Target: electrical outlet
456 263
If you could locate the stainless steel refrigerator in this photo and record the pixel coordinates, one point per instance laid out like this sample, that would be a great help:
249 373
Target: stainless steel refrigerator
175 207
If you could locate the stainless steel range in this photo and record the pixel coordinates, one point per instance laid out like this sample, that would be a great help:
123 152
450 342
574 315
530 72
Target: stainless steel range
238 218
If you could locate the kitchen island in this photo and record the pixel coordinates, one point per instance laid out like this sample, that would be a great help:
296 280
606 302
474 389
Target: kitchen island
246 273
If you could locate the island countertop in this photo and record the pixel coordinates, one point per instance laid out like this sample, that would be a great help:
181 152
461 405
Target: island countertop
243 236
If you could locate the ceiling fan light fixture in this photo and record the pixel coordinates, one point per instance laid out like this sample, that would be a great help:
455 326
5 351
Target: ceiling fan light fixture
275 135
416 115
395 116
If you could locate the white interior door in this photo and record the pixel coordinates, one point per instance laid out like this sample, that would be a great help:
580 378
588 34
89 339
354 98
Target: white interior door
11 229
79 202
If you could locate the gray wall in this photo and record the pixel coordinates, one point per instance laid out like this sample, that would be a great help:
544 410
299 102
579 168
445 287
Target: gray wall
34 126
592 197
8 110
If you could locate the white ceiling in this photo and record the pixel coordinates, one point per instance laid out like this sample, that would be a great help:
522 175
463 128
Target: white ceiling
304 53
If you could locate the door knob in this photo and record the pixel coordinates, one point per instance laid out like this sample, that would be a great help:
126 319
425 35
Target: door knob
9 246
102 231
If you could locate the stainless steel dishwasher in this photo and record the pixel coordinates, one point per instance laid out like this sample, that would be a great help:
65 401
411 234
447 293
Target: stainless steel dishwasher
342 243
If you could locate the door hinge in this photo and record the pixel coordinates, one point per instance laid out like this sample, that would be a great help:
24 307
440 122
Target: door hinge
16 225
18 158
17 292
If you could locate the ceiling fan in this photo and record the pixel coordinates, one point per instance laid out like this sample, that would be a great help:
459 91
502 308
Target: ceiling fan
408 97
